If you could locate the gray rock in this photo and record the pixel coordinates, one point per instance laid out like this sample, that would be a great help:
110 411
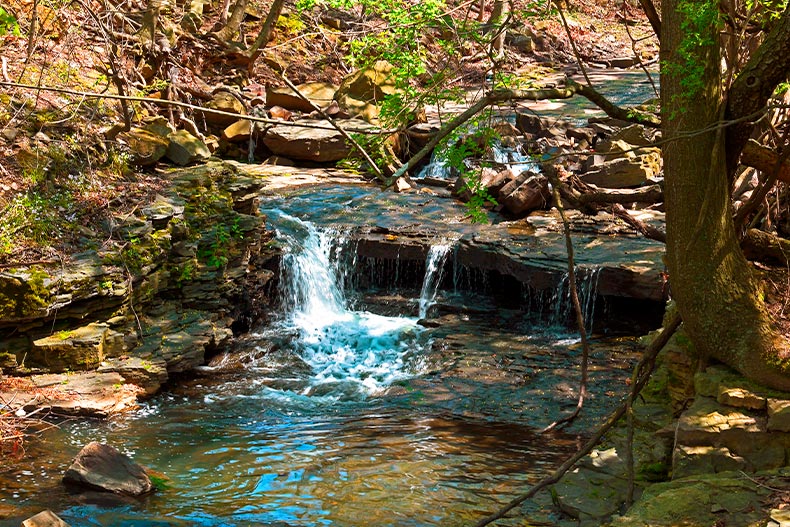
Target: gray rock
102 467
694 460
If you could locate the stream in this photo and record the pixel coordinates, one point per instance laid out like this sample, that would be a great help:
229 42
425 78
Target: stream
346 410
369 399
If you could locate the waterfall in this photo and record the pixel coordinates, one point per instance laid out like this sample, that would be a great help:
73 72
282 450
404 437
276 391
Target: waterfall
434 269
587 290
351 353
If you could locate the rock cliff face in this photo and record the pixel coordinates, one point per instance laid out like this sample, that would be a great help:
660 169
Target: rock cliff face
186 273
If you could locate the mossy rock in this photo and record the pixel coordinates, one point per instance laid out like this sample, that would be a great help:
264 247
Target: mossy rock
23 295
701 501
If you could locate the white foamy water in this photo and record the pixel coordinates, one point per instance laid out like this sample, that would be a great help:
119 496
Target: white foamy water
434 270
350 352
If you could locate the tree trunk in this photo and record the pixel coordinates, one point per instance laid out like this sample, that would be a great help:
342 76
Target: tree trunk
226 33
267 29
717 292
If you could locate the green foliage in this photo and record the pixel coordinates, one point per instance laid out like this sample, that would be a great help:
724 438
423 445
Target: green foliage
216 246
8 24
37 217
700 25
781 89
539 9
472 145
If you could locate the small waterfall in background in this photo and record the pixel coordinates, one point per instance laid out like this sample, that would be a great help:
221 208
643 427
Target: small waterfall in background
434 271
350 353
586 288
505 156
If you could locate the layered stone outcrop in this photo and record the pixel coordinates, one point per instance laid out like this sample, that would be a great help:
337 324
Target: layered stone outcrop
184 272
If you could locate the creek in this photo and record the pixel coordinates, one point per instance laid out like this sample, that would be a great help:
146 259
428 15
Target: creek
381 392
344 409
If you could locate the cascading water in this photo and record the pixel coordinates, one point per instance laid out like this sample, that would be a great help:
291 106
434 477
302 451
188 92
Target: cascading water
587 290
434 270
351 353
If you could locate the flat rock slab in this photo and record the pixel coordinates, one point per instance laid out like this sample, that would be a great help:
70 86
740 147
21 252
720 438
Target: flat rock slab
701 501
45 518
277 177
70 394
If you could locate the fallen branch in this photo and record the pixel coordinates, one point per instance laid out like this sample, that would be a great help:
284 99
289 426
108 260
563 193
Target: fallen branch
649 231
611 109
649 194
762 246
644 370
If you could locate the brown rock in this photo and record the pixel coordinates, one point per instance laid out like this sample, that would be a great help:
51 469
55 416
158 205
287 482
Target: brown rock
401 185
225 102
361 92
310 144
78 349
625 172
319 93
278 112
779 415
238 131
45 518
102 467
146 147
740 398
185 149
532 194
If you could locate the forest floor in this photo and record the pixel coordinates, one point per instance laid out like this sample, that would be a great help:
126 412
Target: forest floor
61 179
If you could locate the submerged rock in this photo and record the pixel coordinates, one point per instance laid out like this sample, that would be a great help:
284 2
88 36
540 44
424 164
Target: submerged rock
102 467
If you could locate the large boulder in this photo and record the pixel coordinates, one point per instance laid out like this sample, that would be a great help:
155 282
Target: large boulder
628 171
322 145
319 93
361 93
102 467
145 146
185 149
79 349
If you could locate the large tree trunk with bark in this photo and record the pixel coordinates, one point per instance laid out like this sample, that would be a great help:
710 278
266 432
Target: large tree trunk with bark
716 289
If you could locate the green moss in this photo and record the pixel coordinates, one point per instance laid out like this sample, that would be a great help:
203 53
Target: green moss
23 295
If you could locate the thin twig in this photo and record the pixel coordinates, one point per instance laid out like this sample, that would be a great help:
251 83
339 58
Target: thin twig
577 308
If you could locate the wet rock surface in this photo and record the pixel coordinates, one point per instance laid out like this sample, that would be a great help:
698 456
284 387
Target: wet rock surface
102 467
